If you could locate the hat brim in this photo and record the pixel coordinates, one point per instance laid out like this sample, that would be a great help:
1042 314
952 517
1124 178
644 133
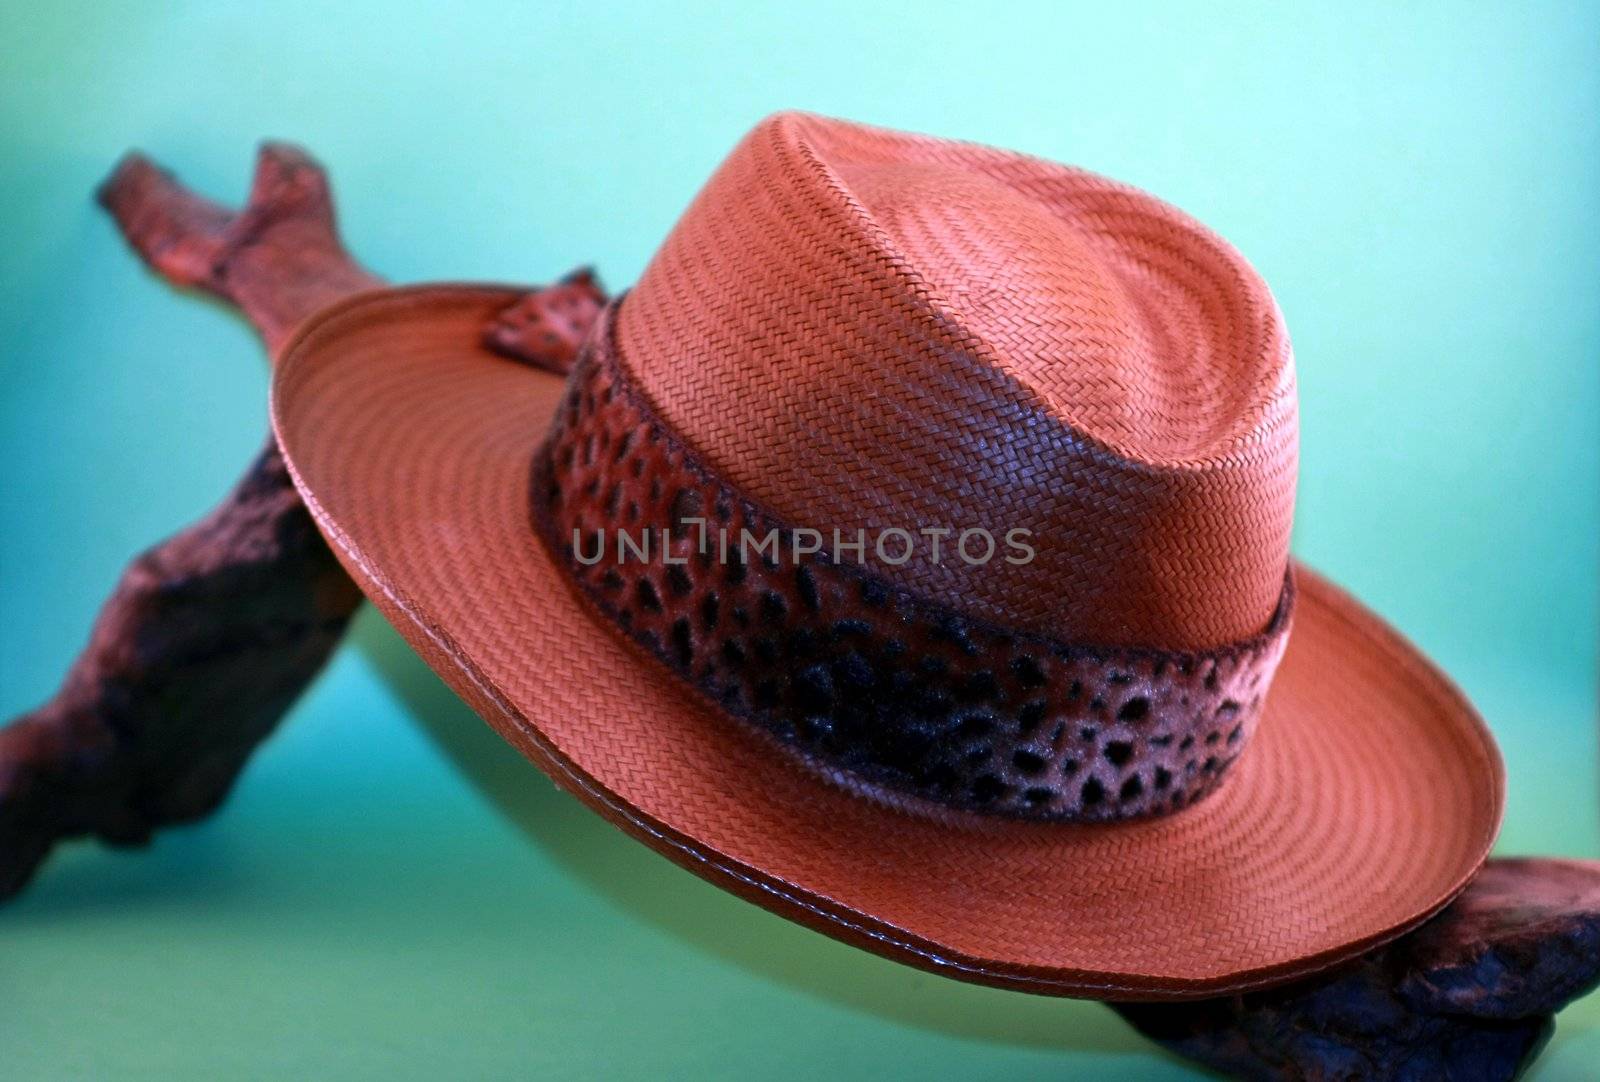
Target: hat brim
1368 798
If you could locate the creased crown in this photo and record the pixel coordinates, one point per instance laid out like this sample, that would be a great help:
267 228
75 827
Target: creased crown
864 329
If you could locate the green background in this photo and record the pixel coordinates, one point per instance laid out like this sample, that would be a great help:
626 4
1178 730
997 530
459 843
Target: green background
393 893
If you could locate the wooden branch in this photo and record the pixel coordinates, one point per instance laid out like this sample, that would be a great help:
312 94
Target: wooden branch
211 635
204 644
1472 994
279 259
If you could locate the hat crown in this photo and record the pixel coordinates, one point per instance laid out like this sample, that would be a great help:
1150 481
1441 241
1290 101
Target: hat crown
866 330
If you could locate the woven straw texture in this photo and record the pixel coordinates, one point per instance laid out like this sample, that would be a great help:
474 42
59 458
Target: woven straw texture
1369 795
981 339
860 676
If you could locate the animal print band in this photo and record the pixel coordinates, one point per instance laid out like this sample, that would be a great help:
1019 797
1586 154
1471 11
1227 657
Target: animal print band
865 680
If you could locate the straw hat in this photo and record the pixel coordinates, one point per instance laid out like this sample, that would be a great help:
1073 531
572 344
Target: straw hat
1111 740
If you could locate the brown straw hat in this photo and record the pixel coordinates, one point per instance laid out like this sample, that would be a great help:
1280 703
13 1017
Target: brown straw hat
694 581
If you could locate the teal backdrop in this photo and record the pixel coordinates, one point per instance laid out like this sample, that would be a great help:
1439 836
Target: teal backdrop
391 892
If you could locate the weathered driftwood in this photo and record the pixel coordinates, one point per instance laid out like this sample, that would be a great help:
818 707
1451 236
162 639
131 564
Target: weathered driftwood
278 260
1470 995
206 641
212 634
